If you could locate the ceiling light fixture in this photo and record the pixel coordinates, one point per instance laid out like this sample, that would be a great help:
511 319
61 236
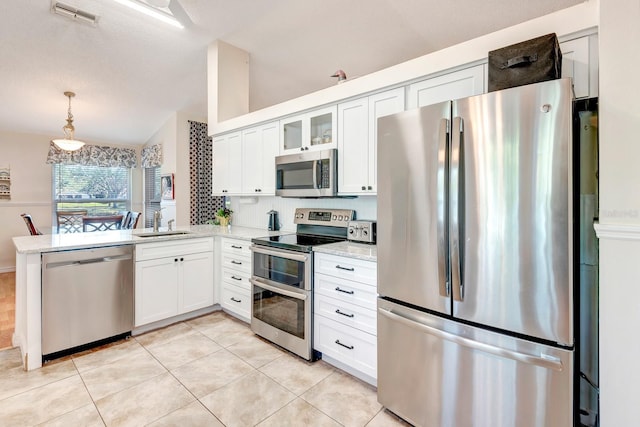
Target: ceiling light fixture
151 11
68 143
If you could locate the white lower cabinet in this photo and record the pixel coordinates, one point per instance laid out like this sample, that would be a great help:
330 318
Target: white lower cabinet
172 278
345 319
235 275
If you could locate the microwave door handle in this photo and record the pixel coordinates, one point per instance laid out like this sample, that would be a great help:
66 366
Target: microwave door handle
315 174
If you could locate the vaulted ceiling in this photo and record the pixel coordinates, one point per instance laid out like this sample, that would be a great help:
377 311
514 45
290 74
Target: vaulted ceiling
131 72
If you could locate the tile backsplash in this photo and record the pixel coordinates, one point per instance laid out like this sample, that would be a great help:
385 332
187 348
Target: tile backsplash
249 212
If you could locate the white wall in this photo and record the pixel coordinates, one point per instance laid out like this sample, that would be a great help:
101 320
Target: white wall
619 209
254 214
31 184
173 135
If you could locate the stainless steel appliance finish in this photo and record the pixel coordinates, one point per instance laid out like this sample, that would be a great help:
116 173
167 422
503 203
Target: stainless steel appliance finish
282 296
439 372
308 174
282 278
475 225
363 231
87 296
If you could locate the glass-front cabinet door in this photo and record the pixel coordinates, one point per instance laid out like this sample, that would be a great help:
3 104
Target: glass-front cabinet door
315 130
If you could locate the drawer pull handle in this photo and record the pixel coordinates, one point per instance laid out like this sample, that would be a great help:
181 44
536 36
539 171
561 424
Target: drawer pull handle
236 278
343 290
236 247
233 261
344 314
349 347
235 300
345 268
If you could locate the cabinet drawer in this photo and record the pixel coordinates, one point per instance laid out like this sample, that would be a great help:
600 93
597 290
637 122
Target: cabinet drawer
145 251
347 268
346 291
345 313
238 263
234 246
236 278
350 346
237 301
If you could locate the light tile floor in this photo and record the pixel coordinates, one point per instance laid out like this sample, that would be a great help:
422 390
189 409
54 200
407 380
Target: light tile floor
209 371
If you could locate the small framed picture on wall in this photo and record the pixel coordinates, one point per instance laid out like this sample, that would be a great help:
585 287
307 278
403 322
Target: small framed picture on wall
166 186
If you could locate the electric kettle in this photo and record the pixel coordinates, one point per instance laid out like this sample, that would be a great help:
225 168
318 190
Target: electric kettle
273 224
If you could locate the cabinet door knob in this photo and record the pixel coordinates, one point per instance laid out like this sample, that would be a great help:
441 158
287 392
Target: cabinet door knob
369 188
364 188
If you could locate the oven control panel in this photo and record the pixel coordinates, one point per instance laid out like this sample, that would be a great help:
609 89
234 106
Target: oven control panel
327 217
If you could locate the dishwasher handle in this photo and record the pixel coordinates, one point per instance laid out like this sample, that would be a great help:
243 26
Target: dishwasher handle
50 265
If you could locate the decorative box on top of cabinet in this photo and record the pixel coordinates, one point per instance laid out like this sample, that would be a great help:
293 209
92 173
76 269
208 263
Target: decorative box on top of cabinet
236 272
314 130
172 278
358 139
345 317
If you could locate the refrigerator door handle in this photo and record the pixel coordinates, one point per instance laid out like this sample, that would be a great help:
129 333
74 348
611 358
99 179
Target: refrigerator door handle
456 208
544 361
443 244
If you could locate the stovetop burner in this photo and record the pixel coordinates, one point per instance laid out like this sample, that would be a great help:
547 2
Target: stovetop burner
296 242
314 227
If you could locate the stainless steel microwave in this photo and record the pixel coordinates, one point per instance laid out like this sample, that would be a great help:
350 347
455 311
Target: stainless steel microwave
309 174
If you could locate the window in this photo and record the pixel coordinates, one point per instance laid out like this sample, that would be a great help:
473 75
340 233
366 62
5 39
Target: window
98 190
152 194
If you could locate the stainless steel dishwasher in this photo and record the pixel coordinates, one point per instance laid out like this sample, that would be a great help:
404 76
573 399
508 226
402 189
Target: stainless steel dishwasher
87 296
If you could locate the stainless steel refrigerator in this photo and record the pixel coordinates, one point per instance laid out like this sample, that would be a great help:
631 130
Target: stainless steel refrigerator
475 260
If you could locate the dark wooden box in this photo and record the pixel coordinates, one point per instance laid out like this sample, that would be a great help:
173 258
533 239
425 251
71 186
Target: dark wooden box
531 61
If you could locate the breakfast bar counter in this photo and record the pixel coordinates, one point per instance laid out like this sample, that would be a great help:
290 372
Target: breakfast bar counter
29 250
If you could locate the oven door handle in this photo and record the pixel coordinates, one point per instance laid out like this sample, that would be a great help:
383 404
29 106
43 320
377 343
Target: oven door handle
280 253
279 290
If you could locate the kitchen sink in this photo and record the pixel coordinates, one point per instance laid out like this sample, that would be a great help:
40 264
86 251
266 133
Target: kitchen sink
163 233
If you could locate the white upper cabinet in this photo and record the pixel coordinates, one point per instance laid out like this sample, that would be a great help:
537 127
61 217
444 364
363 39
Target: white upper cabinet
314 130
259 149
227 164
577 63
459 84
357 139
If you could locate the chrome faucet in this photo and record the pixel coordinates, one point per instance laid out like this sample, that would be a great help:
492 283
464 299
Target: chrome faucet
157 216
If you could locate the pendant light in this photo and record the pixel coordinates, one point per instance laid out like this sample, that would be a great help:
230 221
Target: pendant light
68 143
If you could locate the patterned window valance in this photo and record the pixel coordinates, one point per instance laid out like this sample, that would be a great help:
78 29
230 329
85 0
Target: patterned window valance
93 155
151 156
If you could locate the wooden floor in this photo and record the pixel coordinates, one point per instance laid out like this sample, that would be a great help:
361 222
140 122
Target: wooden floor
7 308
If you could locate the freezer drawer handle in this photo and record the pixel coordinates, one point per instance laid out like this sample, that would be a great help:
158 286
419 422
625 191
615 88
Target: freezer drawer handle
344 314
542 361
345 268
350 347
343 290
235 300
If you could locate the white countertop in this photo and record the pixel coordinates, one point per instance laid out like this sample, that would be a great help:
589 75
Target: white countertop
58 242
349 249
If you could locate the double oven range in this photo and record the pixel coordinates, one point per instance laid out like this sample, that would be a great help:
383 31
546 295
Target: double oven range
282 278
